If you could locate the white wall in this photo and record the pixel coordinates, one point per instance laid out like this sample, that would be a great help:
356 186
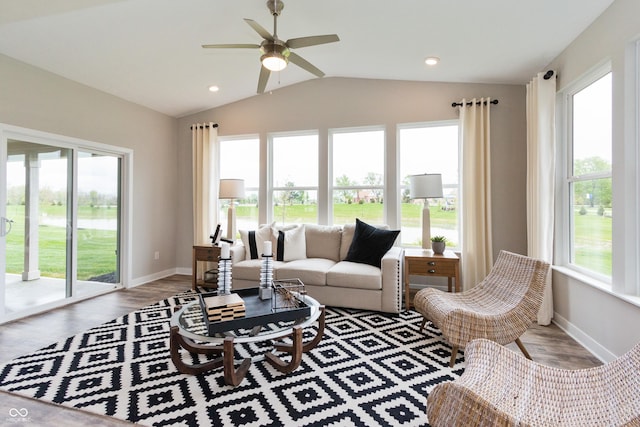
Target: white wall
328 103
606 323
35 99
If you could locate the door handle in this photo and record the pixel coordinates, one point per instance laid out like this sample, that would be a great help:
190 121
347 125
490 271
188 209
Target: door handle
3 226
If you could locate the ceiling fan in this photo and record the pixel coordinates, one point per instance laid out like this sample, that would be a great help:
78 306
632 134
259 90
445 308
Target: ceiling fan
275 52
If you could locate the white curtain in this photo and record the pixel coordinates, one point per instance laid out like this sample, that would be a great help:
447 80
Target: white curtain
477 247
204 139
541 95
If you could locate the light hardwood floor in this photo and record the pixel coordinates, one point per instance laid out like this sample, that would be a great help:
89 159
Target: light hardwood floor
547 344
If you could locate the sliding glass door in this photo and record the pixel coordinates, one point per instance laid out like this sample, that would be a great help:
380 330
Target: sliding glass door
60 224
98 218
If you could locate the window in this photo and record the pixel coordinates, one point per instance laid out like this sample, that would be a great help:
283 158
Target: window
429 148
240 159
588 178
357 175
294 176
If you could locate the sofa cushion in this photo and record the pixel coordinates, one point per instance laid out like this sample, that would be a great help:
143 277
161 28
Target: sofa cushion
323 241
347 274
312 271
249 269
253 241
370 244
347 238
290 244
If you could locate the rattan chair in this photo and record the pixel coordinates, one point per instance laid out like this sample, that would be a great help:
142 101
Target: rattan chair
500 308
500 387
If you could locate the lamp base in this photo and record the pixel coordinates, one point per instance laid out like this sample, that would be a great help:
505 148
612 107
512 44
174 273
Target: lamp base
426 227
231 223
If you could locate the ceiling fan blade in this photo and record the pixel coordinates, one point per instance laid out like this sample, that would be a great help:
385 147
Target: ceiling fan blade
231 46
263 79
312 41
259 29
303 63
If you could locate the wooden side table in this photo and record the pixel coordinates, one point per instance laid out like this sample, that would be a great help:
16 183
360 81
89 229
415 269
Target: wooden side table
423 262
203 253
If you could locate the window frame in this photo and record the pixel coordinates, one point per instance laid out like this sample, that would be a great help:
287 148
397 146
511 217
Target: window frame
402 187
225 139
565 177
331 187
271 188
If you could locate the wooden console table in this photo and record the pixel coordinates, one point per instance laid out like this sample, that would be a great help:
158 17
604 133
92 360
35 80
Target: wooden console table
202 253
423 262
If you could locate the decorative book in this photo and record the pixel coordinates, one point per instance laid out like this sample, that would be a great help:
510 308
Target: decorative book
257 312
224 307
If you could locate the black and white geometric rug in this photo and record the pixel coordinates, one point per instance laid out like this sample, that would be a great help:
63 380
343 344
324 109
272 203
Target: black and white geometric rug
369 369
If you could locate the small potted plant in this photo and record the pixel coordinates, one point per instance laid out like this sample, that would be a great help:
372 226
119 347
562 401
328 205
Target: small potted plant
438 244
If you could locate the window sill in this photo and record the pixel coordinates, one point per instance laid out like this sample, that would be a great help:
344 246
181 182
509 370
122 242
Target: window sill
598 284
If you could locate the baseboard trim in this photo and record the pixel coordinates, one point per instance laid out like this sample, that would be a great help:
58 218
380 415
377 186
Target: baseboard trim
583 339
184 271
151 277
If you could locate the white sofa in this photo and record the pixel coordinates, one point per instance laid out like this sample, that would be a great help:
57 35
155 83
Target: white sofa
323 269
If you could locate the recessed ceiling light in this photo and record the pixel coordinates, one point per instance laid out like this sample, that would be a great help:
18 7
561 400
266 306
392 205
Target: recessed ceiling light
214 88
432 60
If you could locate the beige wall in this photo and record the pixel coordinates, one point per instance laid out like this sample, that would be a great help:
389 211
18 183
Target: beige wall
597 318
328 103
35 99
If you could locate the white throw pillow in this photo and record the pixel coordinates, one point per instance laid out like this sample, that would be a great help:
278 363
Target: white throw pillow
290 244
253 241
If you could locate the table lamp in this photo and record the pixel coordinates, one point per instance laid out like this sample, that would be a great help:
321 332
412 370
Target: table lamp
231 189
425 186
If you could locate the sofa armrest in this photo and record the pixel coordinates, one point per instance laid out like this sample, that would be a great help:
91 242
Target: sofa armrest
237 253
391 266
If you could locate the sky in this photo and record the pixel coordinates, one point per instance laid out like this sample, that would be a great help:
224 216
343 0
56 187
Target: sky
592 115
97 174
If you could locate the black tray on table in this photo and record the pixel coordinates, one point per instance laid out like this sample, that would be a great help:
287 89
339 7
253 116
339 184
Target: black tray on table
257 312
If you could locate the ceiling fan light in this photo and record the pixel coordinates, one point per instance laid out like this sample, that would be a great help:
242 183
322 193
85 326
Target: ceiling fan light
274 61
432 60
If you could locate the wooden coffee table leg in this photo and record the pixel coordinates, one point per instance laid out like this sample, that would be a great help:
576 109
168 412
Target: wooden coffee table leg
294 349
314 342
231 375
177 341
311 344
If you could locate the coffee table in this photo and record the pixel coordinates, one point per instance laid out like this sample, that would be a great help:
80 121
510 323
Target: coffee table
190 331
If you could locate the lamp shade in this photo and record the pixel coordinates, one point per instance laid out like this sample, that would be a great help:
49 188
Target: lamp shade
231 189
425 186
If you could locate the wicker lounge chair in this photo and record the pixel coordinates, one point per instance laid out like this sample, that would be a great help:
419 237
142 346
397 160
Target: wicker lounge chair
500 308
500 387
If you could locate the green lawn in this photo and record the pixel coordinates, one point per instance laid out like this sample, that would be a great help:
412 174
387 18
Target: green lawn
96 248
592 242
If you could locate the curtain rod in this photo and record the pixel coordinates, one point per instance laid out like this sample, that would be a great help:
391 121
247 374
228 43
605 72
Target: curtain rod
548 75
214 125
459 104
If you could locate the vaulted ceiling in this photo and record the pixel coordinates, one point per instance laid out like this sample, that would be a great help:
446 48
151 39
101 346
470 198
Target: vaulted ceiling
149 51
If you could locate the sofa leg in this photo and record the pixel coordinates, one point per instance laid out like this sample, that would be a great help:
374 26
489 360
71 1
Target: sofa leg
424 322
454 353
523 349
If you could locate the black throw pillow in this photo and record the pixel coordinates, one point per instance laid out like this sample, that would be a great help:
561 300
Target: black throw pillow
370 244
